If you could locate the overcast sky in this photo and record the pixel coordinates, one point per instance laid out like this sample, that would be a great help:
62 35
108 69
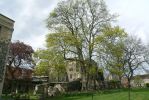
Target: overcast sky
30 15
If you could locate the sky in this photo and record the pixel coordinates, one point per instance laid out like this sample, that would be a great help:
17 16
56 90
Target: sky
30 16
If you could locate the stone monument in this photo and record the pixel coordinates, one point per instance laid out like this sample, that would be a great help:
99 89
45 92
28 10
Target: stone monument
6 29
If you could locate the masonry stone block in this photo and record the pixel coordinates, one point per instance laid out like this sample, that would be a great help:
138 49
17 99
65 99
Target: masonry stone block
6 29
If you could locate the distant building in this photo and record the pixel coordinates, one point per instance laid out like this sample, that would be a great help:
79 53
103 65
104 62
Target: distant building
18 73
17 79
73 71
137 81
112 77
140 80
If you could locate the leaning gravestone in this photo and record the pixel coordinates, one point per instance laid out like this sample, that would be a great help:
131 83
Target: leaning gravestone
6 29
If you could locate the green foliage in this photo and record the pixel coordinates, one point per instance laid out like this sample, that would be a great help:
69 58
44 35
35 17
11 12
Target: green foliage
53 14
76 25
50 63
111 48
138 81
147 85
112 84
91 67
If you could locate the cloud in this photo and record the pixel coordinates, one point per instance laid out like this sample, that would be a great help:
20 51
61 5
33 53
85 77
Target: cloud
133 16
29 16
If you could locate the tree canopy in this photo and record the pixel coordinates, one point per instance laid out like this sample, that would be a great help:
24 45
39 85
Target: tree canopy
76 24
20 56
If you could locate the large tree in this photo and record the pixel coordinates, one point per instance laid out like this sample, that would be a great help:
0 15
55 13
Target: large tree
135 53
78 23
20 54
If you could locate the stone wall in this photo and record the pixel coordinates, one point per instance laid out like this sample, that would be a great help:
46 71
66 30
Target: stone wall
72 71
6 29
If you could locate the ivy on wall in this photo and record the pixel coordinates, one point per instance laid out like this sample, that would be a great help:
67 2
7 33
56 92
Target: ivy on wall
3 54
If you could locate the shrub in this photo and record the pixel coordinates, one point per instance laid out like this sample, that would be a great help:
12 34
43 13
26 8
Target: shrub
113 84
74 86
147 85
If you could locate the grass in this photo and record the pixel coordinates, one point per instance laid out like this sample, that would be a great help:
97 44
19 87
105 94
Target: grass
117 94
136 94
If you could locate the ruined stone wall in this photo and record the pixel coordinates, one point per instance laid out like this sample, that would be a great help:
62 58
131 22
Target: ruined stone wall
6 29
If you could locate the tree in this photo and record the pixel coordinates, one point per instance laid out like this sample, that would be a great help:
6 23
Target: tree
20 54
51 63
121 54
111 49
134 57
78 22
42 64
138 81
95 74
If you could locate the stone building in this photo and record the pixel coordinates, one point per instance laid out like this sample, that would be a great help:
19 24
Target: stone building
72 71
18 73
17 80
6 29
139 80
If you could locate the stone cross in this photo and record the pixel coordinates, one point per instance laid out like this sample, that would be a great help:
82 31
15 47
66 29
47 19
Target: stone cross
6 29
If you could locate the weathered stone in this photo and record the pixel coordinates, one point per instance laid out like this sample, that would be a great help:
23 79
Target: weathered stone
56 90
6 29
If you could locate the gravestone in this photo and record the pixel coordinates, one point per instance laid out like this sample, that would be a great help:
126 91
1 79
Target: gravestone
6 29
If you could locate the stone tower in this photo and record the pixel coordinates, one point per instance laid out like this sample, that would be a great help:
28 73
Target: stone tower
6 29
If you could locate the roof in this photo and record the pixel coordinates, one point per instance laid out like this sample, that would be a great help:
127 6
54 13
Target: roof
7 22
40 78
142 76
6 17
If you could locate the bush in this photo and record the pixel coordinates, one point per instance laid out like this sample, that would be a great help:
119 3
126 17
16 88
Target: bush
147 85
113 84
74 86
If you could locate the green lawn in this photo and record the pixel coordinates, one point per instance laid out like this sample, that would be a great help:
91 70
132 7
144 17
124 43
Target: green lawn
116 95
136 94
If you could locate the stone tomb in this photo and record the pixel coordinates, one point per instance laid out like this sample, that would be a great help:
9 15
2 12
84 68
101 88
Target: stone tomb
6 29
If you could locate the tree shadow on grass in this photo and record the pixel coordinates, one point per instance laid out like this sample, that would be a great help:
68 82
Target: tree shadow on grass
65 98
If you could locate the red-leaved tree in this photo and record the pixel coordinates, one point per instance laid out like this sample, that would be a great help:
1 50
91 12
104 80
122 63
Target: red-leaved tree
19 54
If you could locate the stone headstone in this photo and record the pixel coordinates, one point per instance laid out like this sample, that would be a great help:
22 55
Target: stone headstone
6 29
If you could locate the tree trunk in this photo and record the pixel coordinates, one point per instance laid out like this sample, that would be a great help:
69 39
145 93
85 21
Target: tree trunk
87 81
120 79
129 86
58 79
94 83
83 83
82 66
